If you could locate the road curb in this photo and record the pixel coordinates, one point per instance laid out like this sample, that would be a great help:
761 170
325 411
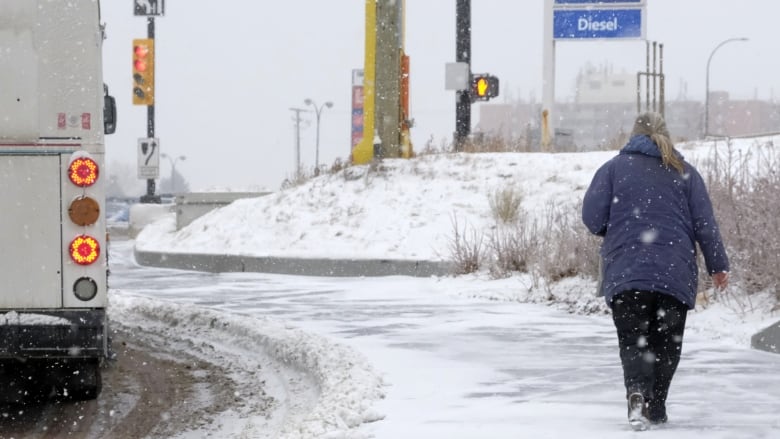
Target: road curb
768 339
294 266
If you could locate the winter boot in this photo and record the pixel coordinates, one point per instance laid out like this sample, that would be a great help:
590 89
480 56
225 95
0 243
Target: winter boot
637 412
656 413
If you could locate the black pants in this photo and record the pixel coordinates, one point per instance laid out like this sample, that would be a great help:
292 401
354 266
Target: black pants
650 330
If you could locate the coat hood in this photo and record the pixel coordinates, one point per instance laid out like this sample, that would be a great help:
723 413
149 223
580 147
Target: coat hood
643 144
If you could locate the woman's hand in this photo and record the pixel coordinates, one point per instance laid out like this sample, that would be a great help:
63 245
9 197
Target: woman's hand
720 280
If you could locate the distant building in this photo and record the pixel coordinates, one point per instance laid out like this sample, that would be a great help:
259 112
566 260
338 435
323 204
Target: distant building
603 112
735 118
600 86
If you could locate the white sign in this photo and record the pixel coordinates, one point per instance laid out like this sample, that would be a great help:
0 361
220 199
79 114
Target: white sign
148 158
456 76
357 77
146 8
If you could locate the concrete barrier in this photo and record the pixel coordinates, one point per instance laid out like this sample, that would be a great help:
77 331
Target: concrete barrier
142 215
192 205
294 266
768 339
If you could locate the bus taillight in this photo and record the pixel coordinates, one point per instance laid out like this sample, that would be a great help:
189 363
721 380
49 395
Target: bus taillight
83 171
84 250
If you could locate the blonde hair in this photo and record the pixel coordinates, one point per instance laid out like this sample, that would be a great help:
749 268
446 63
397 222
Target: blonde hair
652 124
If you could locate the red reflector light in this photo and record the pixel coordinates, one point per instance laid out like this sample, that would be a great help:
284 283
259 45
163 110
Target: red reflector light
84 250
140 65
83 172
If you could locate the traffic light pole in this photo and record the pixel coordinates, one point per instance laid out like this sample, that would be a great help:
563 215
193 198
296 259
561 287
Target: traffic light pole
463 54
150 197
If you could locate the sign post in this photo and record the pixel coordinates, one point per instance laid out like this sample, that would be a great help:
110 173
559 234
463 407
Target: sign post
150 9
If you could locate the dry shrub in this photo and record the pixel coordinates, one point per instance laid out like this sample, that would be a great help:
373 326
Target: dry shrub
505 204
512 248
481 143
552 248
431 147
466 249
307 173
747 207
298 179
337 166
568 249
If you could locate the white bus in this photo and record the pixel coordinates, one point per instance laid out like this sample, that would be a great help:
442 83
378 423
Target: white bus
54 113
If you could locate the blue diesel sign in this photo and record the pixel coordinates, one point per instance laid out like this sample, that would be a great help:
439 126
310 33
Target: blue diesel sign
597 23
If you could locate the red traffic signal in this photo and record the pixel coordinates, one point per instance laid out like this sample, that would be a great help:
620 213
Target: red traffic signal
483 87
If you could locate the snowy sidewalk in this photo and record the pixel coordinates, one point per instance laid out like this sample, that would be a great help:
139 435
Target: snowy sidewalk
461 366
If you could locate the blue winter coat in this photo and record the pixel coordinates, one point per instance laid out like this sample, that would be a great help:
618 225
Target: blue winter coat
651 216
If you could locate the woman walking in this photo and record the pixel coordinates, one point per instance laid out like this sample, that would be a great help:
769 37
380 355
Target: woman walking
652 208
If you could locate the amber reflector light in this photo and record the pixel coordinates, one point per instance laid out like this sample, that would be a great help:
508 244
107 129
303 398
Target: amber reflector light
84 211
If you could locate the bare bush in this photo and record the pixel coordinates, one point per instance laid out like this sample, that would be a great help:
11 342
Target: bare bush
338 166
744 188
567 249
552 248
512 248
505 204
307 173
466 249
482 143
431 148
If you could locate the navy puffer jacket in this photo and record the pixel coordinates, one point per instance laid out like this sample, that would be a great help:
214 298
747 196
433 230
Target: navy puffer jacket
651 216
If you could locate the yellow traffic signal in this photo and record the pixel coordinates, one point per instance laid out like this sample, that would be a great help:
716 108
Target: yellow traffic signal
143 71
483 87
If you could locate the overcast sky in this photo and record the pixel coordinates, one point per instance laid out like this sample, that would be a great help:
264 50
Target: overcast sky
228 71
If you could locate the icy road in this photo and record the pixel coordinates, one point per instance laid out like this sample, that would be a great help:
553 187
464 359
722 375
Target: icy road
425 358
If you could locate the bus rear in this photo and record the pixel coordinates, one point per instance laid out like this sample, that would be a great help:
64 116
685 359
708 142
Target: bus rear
53 296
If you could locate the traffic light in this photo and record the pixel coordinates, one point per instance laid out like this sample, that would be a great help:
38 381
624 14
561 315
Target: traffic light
143 71
483 87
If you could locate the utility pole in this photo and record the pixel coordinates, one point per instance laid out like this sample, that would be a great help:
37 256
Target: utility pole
297 112
463 54
389 14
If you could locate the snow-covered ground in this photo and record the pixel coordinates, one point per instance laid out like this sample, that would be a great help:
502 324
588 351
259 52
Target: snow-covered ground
447 357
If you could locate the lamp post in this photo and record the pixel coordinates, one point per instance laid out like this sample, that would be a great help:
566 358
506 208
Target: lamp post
318 112
707 91
173 161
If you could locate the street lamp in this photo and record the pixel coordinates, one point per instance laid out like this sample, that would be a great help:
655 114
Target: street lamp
707 95
318 112
173 161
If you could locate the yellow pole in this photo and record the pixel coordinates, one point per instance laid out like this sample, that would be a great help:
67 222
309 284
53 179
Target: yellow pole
364 151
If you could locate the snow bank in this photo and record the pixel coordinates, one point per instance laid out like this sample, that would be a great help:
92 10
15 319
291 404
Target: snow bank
348 385
404 209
